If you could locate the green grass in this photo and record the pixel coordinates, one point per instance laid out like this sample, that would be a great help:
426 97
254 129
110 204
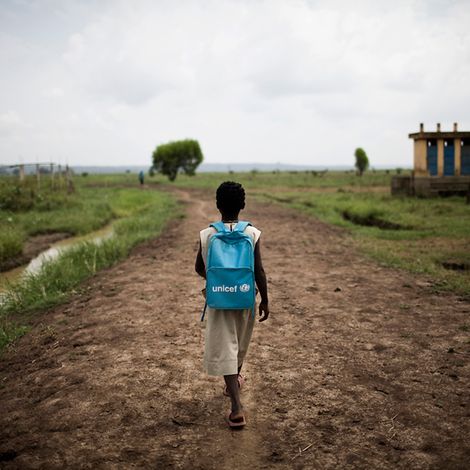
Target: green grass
146 213
273 180
426 233
419 218
105 180
11 242
419 235
54 210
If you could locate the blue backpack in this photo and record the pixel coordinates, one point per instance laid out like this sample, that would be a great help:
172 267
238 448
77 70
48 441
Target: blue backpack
230 270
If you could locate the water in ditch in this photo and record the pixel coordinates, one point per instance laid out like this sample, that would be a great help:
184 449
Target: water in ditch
15 274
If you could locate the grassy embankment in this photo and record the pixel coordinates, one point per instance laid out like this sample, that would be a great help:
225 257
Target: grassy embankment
26 211
427 236
140 215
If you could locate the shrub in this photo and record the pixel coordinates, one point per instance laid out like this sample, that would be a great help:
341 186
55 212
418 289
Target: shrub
15 198
11 243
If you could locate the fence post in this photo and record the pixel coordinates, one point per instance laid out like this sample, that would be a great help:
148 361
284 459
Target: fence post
21 173
69 184
51 167
38 177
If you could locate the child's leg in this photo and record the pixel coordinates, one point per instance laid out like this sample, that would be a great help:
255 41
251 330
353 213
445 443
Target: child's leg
245 325
234 391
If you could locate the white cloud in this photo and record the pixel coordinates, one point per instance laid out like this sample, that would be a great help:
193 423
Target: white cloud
55 92
298 81
10 124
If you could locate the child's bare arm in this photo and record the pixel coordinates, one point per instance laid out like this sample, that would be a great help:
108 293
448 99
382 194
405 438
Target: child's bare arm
199 266
260 278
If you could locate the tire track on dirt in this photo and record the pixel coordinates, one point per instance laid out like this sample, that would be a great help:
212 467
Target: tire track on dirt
363 363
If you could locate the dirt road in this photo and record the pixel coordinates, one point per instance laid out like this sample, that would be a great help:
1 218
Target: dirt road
359 366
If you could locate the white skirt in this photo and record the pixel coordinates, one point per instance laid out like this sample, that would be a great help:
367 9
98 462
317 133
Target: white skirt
227 337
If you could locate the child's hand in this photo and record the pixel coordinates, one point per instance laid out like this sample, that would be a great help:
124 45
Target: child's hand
263 311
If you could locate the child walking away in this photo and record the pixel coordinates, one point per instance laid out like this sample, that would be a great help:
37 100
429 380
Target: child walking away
229 258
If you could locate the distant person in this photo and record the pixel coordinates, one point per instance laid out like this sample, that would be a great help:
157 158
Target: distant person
228 331
141 177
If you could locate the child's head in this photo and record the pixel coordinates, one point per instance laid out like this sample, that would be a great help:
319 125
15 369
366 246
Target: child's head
230 199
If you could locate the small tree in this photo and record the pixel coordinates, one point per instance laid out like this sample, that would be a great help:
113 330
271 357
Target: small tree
181 155
362 162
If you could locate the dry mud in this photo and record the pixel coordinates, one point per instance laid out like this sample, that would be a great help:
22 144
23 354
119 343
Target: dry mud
359 366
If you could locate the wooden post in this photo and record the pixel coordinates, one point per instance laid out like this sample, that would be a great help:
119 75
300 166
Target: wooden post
440 157
51 169
457 156
38 175
68 179
21 173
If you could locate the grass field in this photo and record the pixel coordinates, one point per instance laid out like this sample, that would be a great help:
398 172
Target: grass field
54 210
287 179
141 215
430 236
420 235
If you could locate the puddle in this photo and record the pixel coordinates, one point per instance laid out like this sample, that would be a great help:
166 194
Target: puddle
53 252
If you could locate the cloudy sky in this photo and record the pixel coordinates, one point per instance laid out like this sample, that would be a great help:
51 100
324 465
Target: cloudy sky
291 81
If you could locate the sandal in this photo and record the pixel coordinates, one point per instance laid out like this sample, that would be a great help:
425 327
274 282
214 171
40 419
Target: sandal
241 381
237 422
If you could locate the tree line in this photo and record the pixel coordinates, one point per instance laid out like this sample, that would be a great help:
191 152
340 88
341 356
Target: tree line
186 155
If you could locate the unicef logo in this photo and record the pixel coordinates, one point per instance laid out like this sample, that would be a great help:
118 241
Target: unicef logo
244 288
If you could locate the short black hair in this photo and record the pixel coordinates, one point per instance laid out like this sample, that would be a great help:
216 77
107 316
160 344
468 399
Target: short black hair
230 197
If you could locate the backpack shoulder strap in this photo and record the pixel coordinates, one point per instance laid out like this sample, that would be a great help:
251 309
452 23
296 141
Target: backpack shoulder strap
219 226
241 226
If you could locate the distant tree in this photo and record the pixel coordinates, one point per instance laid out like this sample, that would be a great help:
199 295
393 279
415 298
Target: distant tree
362 162
181 155
151 171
